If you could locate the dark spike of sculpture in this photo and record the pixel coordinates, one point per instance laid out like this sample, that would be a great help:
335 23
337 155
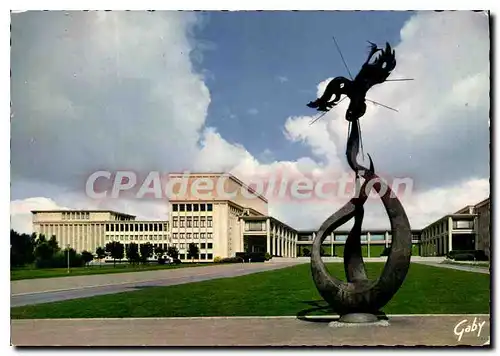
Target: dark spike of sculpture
359 294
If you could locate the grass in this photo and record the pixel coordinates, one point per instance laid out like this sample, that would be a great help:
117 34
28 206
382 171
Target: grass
287 291
31 273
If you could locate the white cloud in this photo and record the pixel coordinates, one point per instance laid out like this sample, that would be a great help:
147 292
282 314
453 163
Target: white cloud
131 107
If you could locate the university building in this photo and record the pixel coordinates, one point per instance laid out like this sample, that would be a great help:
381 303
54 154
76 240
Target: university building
223 216
466 229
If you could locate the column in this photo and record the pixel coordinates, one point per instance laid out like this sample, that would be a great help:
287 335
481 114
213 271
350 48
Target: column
275 244
368 239
282 237
450 235
268 236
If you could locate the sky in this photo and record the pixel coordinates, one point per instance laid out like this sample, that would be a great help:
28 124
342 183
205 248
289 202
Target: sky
227 92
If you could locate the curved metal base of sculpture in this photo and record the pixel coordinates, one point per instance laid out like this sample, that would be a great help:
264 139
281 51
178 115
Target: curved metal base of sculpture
359 294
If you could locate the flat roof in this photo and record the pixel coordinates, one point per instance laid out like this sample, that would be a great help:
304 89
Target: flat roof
229 175
82 210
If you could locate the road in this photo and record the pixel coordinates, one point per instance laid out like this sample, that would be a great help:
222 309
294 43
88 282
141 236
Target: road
37 291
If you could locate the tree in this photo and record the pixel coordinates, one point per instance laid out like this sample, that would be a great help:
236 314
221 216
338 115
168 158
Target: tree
54 245
193 251
159 251
133 252
115 249
100 253
146 251
44 251
22 248
173 252
87 257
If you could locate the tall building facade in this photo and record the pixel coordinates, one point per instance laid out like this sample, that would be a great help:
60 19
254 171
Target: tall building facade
215 211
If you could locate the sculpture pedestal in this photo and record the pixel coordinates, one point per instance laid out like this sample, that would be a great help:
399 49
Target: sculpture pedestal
358 319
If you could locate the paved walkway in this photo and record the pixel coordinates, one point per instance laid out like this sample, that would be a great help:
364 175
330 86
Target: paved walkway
250 331
476 269
36 291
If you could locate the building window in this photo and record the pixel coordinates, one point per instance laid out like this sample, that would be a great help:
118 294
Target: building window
196 207
182 235
209 245
175 207
182 256
202 221
189 207
195 221
181 222
209 256
209 221
209 207
188 221
209 235
181 246
196 235
182 207
189 236
463 224
202 245
174 222
175 235
202 235
202 207
203 256
255 226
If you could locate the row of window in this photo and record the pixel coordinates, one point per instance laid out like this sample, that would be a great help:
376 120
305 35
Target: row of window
136 227
202 245
255 226
194 235
191 221
203 256
76 215
136 237
192 207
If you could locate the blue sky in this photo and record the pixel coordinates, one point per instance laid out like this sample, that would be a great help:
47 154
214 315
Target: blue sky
264 67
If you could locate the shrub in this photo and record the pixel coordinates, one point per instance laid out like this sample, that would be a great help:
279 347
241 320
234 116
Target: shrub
478 255
464 257
267 256
232 260
217 259
161 261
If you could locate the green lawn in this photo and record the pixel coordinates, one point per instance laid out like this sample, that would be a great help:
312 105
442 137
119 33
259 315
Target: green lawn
287 291
31 273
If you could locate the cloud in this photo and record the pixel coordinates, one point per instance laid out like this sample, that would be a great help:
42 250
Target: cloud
253 111
282 79
20 210
119 91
